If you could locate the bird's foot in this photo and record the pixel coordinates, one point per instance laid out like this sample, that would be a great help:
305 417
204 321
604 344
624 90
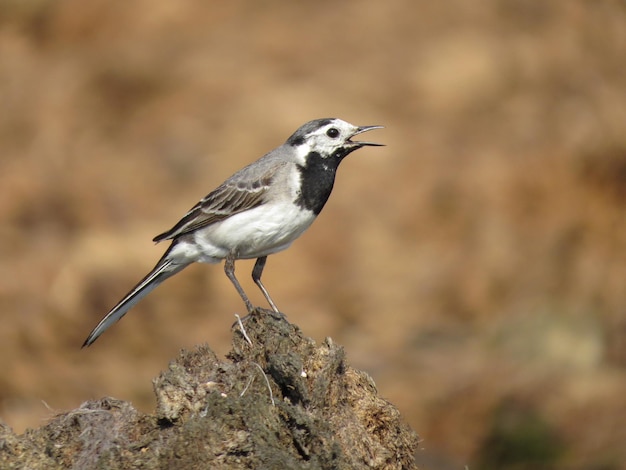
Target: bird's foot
262 311
275 313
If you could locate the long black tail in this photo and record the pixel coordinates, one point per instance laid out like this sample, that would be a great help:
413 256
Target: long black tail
164 269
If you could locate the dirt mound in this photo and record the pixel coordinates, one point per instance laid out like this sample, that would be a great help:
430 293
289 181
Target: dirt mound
279 400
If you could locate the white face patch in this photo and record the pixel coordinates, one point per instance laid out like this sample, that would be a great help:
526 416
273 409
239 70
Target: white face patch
325 140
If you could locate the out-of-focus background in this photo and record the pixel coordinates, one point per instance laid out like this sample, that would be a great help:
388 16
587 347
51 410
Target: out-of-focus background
475 267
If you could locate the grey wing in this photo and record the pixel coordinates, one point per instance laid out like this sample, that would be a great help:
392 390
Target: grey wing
241 192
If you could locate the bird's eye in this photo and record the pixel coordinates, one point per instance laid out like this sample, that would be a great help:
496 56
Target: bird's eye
332 133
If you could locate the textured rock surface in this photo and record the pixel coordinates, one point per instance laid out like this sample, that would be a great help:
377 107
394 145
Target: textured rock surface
278 401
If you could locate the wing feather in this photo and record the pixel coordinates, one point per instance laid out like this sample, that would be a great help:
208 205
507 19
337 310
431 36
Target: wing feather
232 197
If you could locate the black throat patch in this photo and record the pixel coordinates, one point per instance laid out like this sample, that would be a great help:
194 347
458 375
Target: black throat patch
317 178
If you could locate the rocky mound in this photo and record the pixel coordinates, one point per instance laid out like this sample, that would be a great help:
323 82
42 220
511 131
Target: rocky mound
279 401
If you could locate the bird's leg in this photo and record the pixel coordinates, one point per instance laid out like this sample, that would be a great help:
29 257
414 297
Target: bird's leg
256 277
229 269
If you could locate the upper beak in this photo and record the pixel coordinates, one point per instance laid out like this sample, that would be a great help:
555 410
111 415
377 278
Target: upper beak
362 129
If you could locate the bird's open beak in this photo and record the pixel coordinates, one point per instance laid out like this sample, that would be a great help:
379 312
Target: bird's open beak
362 129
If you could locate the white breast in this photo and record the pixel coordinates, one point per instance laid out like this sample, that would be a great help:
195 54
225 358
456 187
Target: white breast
257 232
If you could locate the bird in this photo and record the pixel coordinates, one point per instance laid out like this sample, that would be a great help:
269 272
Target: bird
260 210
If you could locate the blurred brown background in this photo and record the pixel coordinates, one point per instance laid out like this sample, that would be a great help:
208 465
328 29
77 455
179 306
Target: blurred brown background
475 267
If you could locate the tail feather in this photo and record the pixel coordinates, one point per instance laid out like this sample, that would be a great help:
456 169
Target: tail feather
164 269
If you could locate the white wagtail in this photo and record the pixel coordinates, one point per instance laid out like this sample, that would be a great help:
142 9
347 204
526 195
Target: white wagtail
258 211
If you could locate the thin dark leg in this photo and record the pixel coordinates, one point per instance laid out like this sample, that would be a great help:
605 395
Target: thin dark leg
229 269
256 277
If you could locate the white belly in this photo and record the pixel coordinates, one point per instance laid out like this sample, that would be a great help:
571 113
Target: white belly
253 233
